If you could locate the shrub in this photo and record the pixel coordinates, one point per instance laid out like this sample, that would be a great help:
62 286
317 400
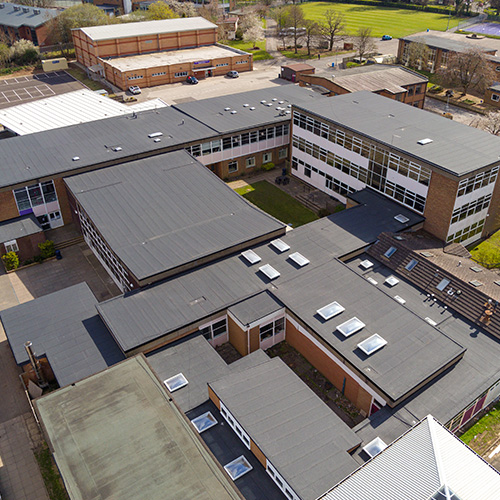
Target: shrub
38 259
268 166
47 249
351 64
10 260
24 52
323 212
27 262
435 89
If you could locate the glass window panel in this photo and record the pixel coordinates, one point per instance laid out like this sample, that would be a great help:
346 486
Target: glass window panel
49 191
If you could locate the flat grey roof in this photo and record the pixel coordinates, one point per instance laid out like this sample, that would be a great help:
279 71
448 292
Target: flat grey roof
255 308
40 155
297 432
495 87
456 148
143 28
117 434
18 228
30 18
141 317
445 43
166 211
212 111
65 327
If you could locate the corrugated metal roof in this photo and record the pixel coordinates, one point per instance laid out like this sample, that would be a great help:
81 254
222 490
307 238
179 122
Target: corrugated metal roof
19 227
297 432
456 148
65 327
416 465
166 211
24 15
129 30
67 109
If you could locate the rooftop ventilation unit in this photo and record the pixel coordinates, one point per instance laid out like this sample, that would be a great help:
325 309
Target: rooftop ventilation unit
155 134
289 106
280 245
269 104
401 218
252 108
246 105
157 140
372 344
423 142
281 102
36 11
227 109
374 447
75 158
274 99
269 271
25 10
263 101
117 148
250 256
16 8
233 112
287 112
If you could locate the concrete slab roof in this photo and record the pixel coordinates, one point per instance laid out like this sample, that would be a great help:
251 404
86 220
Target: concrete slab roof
164 212
255 308
297 432
15 16
455 148
18 228
65 327
144 28
117 434
450 44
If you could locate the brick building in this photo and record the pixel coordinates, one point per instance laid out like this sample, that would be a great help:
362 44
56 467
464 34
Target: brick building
157 52
23 22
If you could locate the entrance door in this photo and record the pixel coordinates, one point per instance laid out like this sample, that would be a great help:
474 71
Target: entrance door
208 72
56 219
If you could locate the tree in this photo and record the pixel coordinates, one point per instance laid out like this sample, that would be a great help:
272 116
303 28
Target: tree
332 27
468 70
253 35
160 10
417 56
4 54
296 22
43 4
364 43
281 15
489 123
312 30
24 52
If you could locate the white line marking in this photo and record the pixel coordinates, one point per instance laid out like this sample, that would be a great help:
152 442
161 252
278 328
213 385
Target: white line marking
494 452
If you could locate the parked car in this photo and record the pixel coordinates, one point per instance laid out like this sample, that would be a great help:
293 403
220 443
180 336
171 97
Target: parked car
134 89
192 80
232 74
387 37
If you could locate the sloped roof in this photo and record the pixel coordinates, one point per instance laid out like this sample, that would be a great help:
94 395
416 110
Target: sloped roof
417 465
33 17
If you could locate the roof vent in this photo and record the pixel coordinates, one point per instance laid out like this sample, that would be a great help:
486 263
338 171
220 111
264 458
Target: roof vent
117 148
36 11
157 140
287 112
2 6
401 218
289 106
155 134
16 8
233 112
252 108
423 142
269 104
75 158
274 99
263 101
25 10
227 109
281 102
246 105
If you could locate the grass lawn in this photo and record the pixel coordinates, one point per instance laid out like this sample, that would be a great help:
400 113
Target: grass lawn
382 20
487 252
258 55
277 203
80 75
481 435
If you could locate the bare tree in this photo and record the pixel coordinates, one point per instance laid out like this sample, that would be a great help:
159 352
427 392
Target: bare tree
312 30
254 34
332 27
364 43
417 56
296 22
43 4
490 123
468 70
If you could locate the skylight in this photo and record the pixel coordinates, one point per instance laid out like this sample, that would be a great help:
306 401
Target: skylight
269 271
372 281
391 280
350 327
204 422
443 284
426 254
374 447
176 382
299 259
444 493
251 256
330 310
366 264
423 142
238 467
280 245
372 344
401 218
390 252
399 299
476 269
411 264
430 321
476 283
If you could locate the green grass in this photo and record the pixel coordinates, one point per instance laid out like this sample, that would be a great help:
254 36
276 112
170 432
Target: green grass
484 432
382 20
50 474
80 75
258 55
487 253
277 203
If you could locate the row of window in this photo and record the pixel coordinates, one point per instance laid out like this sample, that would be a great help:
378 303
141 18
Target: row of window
35 195
161 73
238 140
465 415
282 484
242 62
373 152
135 77
214 330
235 425
478 181
471 208
11 246
221 64
466 233
271 329
405 196
180 74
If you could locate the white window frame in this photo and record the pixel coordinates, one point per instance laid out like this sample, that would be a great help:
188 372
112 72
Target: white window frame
232 164
210 327
283 153
11 246
267 157
280 482
181 74
272 328
233 423
250 162
495 97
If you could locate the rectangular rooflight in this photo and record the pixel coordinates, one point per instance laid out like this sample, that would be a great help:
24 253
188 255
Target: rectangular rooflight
366 264
390 252
423 142
372 281
401 218
476 269
251 256
155 134
411 264
430 321
269 271
391 281
238 467
350 326
399 299
280 245
443 284
330 310
176 382
372 344
476 283
299 259
204 422
374 447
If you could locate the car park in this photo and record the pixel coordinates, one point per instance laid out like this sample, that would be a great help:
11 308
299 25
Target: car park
134 89
232 74
387 37
192 80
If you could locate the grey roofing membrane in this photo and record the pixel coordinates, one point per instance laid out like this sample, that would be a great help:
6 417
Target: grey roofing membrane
117 434
19 227
65 327
446 43
162 212
17 18
40 155
143 316
212 111
254 308
456 148
297 432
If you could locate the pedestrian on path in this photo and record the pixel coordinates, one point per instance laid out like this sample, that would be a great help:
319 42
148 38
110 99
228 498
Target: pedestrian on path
319 57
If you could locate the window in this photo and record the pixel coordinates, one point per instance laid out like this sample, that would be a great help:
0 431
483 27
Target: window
283 153
267 157
161 73
250 162
273 328
219 65
495 97
245 438
238 467
418 89
135 77
35 195
204 422
180 74
307 170
372 344
350 327
232 167
176 382
443 284
330 310
411 264
215 329
11 246
390 252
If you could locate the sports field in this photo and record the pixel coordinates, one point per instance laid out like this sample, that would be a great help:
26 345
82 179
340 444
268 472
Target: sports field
382 20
